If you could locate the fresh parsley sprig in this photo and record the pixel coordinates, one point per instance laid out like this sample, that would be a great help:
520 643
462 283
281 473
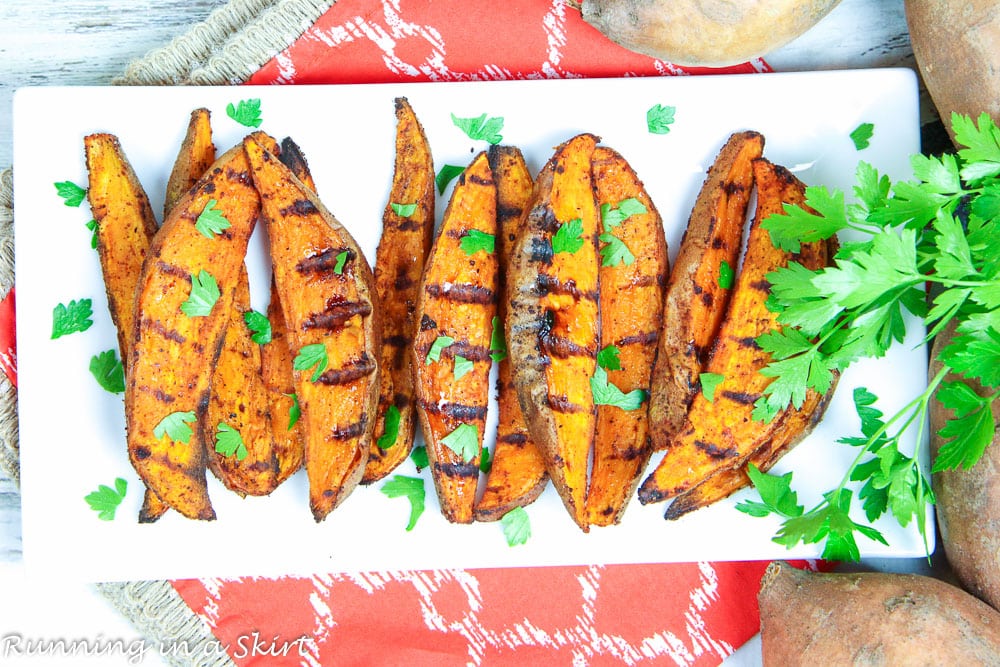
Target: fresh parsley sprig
937 231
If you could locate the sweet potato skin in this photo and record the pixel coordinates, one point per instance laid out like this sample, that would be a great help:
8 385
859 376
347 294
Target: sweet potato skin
968 501
517 475
458 300
695 302
871 618
631 303
399 264
552 327
331 303
720 434
173 356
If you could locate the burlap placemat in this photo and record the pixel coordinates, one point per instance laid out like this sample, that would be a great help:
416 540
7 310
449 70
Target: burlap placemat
226 48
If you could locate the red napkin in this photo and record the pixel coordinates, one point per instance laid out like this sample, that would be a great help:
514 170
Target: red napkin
684 614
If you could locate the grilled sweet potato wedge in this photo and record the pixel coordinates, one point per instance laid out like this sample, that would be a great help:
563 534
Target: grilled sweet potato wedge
125 227
695 301
720 434
633 275
278 377
239 409
552 323
451 350
517 476
399 263
793 425
196 155
178 330
327 291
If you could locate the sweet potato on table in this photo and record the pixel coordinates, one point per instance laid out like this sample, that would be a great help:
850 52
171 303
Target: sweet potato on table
872 618
451 351
196 155
184 294
399 263
327 291
719 433
517 475
696 298
552 324
125 227
633 275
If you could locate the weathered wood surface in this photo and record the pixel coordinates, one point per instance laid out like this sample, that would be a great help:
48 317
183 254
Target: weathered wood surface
89 42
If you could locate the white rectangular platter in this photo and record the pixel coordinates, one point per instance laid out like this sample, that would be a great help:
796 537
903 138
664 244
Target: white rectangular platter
72 431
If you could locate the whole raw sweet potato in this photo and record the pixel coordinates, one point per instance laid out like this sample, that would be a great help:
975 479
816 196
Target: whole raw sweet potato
968 504
709 33
872 618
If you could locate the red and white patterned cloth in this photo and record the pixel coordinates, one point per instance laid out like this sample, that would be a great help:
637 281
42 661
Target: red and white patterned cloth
683 614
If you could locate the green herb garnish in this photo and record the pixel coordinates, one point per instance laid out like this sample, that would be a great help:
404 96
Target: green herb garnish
311 356
937 230
72 317
862 134
434 353
480 128
403 210
245 112
210 221
709 383
613 216
71 193
446 175
412 488
105 500
419 458
107 370
659 119
204 294
516 526
726 275
485 460
608 359
569 237
464 441
229 442
92 226
175 426
391 432
606 393
498 346
615 252
474 240
462 366
338 268
294 412
260 326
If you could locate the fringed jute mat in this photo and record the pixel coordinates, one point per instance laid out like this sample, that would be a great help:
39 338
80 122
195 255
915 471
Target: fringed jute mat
228 47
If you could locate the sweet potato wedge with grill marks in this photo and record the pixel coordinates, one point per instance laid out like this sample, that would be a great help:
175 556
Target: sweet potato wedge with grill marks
517 475
174 352
399 264
552 323
196 155
125 227
240 402
720 434
695 302
631 304
451 350
327 291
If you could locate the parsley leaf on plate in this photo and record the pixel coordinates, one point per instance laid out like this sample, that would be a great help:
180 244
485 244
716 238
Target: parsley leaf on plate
614 251
419 457
709 383
446 175
659 118
516 526
105 500
73 317
403 210
411 488
462 366
498 346
725 275
485 460
480 127
71 193
608 359
92 226
606 393
434 353
294 412
342 257
107 369
861 135
245 112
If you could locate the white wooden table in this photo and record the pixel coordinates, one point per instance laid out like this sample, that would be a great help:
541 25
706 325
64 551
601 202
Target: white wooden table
74 42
